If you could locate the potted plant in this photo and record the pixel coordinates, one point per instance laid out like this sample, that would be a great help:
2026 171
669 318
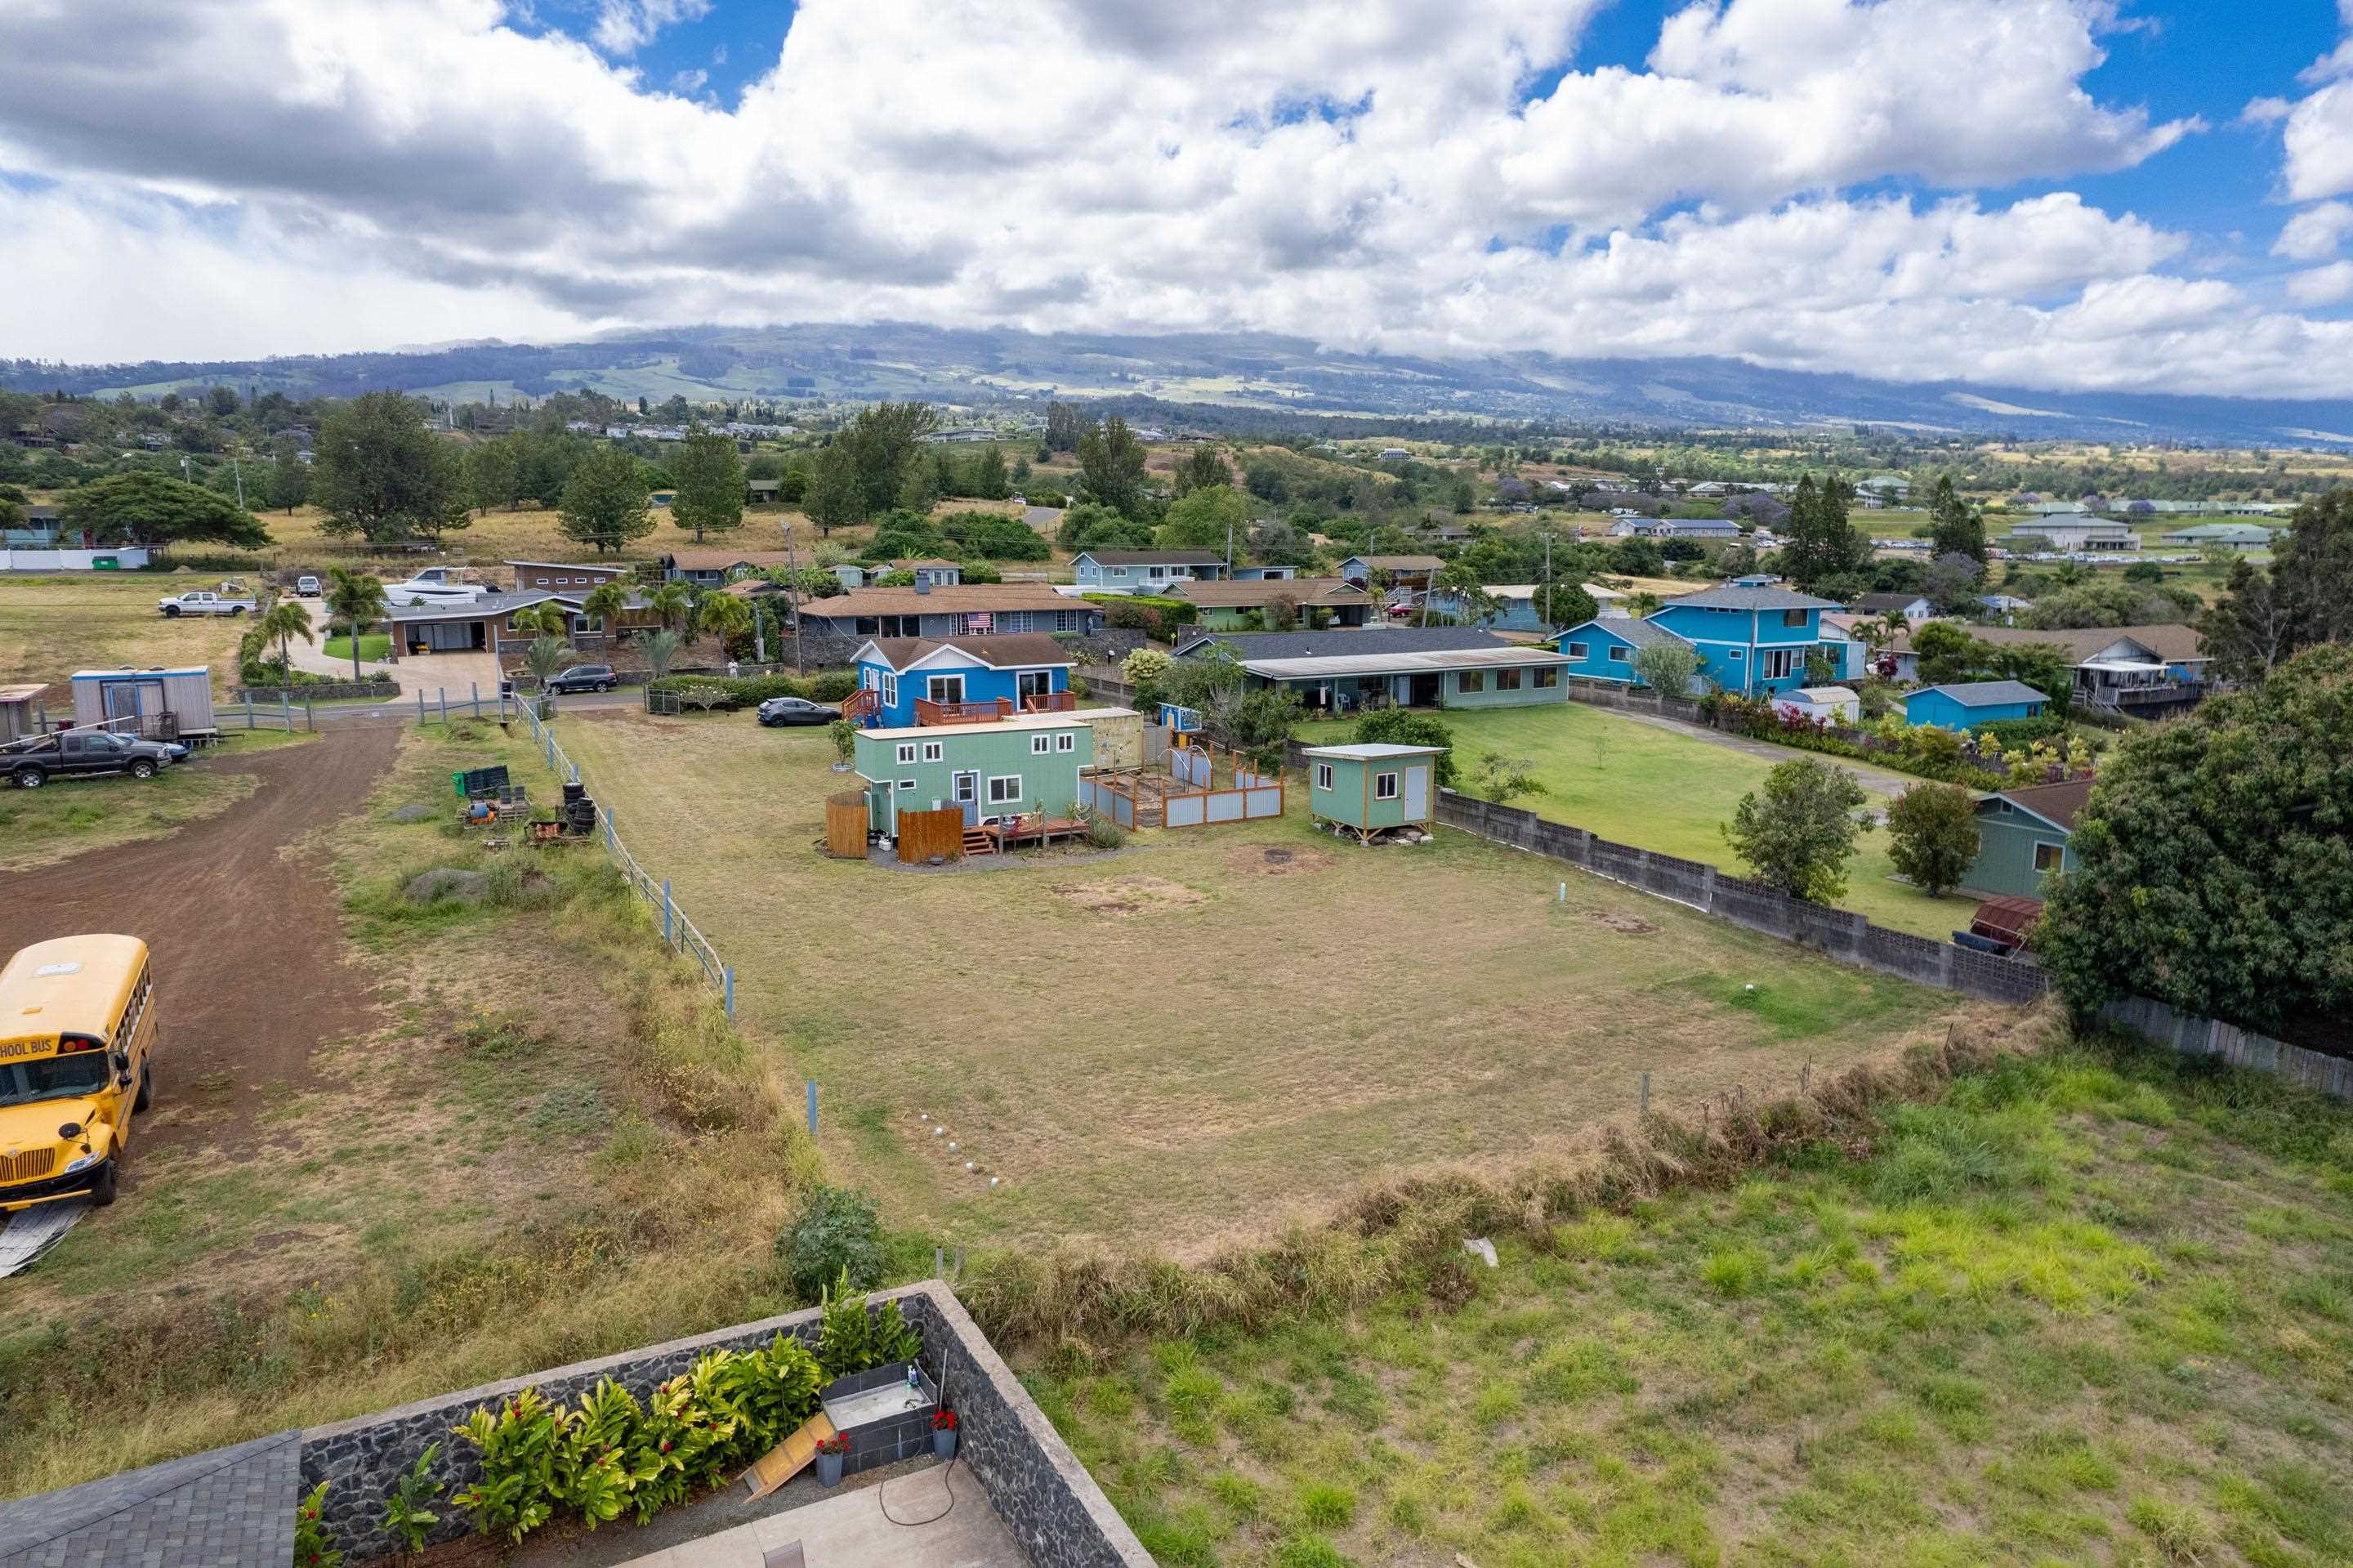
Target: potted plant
830 1453
844 735
943 1433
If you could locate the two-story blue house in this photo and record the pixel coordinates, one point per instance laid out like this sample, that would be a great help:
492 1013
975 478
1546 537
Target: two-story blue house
1750 638
1604 649
908 680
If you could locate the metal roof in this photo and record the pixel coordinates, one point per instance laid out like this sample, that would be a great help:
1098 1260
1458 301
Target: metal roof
1402 664
1984 693
1153 558
1374 752
1369 639
995 726
490 604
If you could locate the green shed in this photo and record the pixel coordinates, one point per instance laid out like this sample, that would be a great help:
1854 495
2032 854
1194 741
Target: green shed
1369 789
2023 835
1010 768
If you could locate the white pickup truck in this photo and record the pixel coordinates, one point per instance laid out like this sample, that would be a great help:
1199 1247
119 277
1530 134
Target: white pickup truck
203 602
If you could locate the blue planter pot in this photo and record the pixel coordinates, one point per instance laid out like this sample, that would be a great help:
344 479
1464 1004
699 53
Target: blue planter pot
943 1443
829 1469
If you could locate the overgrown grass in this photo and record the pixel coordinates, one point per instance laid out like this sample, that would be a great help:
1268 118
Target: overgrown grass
2086 1307
70 816
51 627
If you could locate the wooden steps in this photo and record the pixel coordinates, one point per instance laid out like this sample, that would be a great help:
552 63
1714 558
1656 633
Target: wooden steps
978 843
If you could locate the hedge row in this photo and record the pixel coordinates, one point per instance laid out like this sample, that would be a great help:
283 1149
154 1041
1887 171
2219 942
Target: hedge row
750 691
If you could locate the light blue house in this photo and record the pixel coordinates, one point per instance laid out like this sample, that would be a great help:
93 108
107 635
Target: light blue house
1968 705
1750 639
1604 650
1143 571
1515 608
905 682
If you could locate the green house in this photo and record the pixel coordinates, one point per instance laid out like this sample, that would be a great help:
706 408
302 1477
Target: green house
1368 789
2024 836
1011 767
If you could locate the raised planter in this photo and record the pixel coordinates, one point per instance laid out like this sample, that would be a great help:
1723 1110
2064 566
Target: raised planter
884 1417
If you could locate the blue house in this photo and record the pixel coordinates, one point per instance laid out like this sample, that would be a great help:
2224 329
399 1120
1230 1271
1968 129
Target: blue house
1750 639
1143 571
1969 703
1604 650
903 682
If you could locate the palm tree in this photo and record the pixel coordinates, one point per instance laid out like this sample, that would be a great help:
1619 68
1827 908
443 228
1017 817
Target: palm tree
545 619
723 616
659 649
673 603
282 623
544 658
359 599
1895 623
606 602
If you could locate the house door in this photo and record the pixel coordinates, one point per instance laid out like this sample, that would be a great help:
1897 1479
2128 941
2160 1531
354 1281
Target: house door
1417 791
965 789
1034 682
1424 691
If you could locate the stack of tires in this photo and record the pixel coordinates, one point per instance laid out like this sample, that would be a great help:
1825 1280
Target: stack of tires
579 812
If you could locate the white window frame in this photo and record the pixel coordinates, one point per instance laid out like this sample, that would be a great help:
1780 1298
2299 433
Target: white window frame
1323 776
907 752
1787 660
1065 741
1040 745
2058 857
1020 790
934 752
1620 654
935 684
907 784
1580 650
1469 681
890 689
1385 786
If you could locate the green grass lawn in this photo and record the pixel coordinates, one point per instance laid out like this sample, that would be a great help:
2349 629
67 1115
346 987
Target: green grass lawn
1199 1038
1660 789
67 817
2087 1309
373 645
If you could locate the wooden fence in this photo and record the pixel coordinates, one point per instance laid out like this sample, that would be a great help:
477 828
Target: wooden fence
922 834
845 825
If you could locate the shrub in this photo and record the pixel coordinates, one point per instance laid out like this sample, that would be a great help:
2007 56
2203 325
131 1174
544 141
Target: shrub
838 1236
844 735
1797 833
831 685
722 694
311 1548
1145 666
1933 833
406 1517
515 1494
1103 833
1402 726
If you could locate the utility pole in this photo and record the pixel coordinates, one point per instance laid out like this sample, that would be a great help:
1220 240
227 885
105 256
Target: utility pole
1547 579
238 474
1230 552
793 596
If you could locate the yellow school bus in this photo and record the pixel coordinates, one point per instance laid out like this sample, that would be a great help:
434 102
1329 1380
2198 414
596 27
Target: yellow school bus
77 1034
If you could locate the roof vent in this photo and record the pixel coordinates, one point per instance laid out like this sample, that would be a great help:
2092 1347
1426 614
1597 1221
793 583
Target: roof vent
922 582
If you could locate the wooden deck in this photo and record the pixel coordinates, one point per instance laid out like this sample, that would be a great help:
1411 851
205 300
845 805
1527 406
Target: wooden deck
1033 830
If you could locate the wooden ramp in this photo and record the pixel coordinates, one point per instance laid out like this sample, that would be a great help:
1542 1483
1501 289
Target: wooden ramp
788 1458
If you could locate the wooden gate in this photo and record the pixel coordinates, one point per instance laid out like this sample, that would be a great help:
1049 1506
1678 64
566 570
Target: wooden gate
922 834
845 825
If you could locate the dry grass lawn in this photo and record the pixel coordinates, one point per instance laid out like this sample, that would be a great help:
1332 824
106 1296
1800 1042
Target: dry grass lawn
51 627
1192 1039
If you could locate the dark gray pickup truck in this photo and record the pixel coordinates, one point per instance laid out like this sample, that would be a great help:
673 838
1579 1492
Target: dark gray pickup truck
33 762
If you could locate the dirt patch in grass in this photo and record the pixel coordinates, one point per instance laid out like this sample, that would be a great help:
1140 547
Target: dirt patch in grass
1620 921
1130 895
1276 860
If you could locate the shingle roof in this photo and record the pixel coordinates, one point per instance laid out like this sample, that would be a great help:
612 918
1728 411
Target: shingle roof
1629 630
960 597
2057 802
1325 666
1984 693
222 1509
1400 563
1153 558
718 560
1001 652
1729 597
1881 602
1371 640
1256 591
2175 644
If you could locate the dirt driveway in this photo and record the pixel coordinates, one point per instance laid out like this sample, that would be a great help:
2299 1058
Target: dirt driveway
248 937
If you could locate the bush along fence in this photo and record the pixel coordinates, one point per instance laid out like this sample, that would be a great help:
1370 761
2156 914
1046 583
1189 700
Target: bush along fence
320 692
637 1433
678 933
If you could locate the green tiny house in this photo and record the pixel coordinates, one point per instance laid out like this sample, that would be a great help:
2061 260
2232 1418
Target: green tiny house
2023 835
1371 788
1011 767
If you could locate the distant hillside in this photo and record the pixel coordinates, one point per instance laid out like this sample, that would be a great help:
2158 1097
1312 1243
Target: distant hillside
1235 371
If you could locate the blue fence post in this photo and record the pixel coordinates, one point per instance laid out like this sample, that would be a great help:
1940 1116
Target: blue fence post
608 830
420 707
551 748
728 982
812 1107
576 773
666 908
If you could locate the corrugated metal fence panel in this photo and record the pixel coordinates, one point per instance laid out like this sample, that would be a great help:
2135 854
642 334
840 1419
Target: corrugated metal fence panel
1226 805
1183 811
1264 802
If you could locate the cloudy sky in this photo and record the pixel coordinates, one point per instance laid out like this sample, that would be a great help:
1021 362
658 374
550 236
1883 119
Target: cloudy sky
2153 195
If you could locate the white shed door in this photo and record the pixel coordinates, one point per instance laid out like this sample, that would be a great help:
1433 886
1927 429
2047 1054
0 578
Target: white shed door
1417 791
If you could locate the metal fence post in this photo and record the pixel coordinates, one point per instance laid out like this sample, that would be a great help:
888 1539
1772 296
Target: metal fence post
729 972
608 830
812 1107
1646 1094
666 910
576 773
309 719
420 707
477 686
286 708
444 691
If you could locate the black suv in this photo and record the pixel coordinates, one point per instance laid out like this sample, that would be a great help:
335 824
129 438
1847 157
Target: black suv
33 763
585 678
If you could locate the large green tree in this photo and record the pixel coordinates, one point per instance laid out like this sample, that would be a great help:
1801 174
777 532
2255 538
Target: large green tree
836 497
1065 426
884 440
2307 597
1932 836
603 501
357 599
1823 544
382 475
709 484
1205 519
2215 861
148 508
1110 463
1956 527
1204 466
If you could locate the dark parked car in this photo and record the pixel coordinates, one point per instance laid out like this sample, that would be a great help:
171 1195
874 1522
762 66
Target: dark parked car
33 762
778 712
585 678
